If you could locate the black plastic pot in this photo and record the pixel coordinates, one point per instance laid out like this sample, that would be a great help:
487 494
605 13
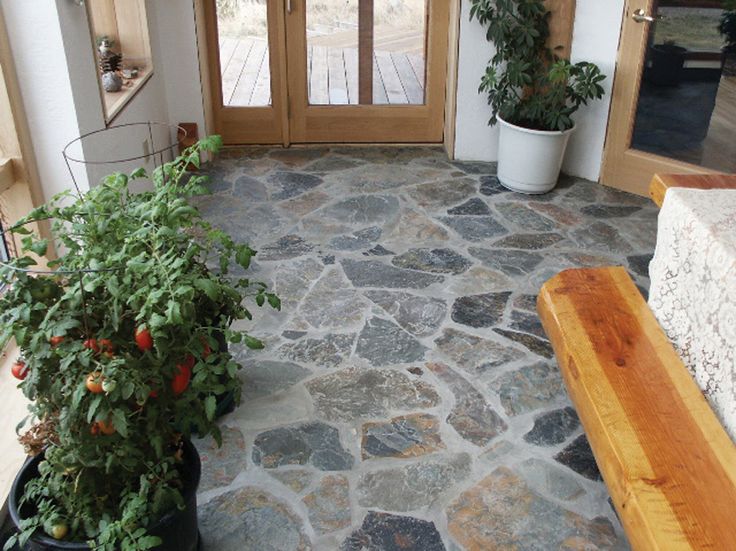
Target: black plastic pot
178 529
667 63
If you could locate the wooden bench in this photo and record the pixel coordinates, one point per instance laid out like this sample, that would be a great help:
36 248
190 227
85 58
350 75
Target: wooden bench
668 463
662 182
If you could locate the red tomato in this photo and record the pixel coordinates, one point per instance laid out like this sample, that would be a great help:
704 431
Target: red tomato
180 382
56 341
143 339
104 427
19 370
94 382
106 346
91 344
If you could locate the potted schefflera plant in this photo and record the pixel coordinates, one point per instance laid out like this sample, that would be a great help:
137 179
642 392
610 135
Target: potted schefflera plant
532 91
123 358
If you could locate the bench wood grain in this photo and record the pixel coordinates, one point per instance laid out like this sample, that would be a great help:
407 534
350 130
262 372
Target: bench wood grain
662 182
667 461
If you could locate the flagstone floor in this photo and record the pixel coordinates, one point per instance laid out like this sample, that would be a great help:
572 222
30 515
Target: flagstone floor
407 398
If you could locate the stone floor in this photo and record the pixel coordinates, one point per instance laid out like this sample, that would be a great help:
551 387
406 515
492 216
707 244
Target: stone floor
407 398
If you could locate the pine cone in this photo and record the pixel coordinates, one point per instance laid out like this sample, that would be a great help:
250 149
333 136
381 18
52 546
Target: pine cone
110 62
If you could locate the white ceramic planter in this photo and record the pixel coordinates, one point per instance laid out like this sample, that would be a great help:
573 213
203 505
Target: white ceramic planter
529 161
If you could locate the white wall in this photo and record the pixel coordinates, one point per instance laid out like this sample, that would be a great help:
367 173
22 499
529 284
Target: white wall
52 48
595 38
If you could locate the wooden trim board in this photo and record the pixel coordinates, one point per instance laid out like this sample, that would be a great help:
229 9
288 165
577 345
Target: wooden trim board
662 182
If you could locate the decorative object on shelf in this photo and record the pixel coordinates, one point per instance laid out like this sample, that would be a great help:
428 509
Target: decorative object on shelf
112 82
532 91
130 73
124 340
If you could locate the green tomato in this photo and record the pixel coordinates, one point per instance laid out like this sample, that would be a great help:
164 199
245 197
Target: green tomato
58 530
108 385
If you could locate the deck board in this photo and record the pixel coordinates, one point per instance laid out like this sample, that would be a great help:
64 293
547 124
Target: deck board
398 71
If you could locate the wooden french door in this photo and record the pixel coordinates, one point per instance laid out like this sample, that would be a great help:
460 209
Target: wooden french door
674 95
328 71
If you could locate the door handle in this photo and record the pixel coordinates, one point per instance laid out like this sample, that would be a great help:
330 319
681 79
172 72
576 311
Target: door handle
289 7
640 16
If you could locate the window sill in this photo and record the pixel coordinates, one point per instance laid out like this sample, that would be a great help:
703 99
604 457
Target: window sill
114 102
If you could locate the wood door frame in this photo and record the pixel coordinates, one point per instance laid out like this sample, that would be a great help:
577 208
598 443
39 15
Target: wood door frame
247 125
369 123
209 74
625 168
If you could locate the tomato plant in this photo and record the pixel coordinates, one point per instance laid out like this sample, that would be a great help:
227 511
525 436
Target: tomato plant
19 369
145 268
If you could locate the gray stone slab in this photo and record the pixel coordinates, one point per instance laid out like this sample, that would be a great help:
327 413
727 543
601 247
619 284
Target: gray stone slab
382 342
529 388
316 444
421 316
437 261
387 532
372 273
484 310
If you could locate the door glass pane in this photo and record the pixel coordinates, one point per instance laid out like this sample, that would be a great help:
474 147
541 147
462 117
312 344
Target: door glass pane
687 102
395 60
244 55
399 44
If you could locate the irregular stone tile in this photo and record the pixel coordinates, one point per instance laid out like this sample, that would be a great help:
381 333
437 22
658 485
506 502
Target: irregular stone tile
414 227
472 416
250 519
475 167
614 196
402 437
363 210
609 211
314 444
639 264
297 157
411 487
549 480
249 188
293 335
332 304
558 214
475 228
289 246
292 184
497 450
354 393
510 262
375 178
378 250
436 195
304 204
288 406
291 281
553 428
473 354
525 218
530 241
328 506
266 377
529 388
525 302
478 279
328 259
220 465
328 351
372 273
483 310
527 322
332 163
583 191
358 240
502 512
534 344
579 457
295 479
382 342
473 207
420 316
387 532
437 261
490 186
602 236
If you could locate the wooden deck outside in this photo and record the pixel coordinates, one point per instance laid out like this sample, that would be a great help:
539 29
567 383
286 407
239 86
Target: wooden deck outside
398 69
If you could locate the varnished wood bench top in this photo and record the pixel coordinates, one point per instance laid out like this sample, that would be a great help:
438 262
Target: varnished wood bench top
662 182
669 465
